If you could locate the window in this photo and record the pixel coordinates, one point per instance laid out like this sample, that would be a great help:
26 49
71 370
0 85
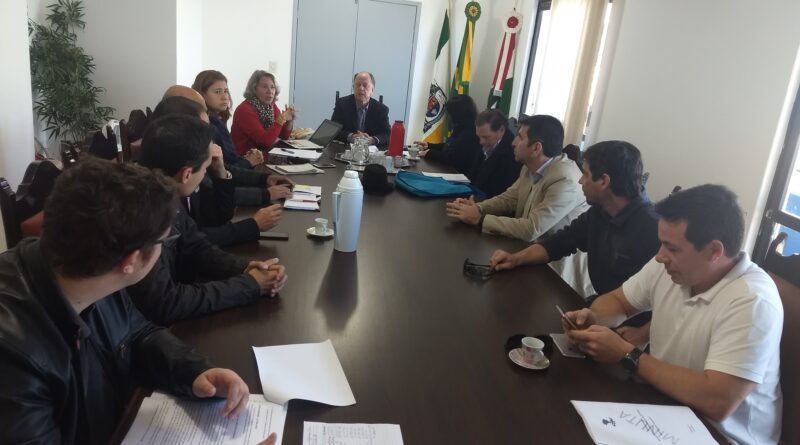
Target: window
554 52
782 212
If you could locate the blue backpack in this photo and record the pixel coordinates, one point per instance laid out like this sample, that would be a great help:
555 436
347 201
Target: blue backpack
431 187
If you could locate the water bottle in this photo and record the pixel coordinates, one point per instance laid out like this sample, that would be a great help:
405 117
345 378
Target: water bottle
396 139
347 201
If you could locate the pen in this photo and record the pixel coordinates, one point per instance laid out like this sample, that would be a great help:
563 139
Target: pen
565 318
287 151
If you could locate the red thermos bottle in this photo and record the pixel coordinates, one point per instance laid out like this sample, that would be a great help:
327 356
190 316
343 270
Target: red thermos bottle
396 139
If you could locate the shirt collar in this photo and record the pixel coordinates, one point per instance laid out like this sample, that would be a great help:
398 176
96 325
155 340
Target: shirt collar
539 173
741 266
488 151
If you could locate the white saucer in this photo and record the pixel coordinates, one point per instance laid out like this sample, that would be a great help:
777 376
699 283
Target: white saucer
313 232
516 356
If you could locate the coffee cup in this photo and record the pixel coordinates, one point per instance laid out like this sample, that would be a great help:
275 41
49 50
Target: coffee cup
321 226
532 350
413 151
388 162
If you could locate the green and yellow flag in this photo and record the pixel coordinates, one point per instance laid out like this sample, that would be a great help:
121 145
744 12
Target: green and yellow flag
434 131
463 71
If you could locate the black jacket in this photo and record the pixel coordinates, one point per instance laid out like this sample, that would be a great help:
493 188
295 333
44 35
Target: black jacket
64 377
460 150
495 174
376 124
212 207
192 277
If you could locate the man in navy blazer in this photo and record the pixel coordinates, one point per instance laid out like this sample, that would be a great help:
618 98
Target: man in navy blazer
360 114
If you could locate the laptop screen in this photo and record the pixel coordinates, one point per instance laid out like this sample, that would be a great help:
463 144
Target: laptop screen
326 132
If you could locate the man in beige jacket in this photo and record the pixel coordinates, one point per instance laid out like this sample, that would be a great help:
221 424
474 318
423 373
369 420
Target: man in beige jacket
545 197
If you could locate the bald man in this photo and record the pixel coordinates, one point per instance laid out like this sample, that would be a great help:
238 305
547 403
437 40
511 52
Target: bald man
360 114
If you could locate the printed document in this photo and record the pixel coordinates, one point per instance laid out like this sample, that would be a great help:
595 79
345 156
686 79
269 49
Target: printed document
453 177
166 419
308 371
634 424
315 433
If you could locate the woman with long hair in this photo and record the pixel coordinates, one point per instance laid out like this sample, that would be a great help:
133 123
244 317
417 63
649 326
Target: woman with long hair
461 148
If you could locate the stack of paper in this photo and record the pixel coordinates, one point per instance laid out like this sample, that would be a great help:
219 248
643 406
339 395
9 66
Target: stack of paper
454 177
308 371
304 197
166 419
634 424
295 169
311 155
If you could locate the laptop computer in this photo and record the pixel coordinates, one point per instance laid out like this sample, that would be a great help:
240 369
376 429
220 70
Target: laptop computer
325 133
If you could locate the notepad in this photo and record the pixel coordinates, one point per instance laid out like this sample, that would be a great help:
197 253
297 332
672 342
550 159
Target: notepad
296 204
295 169
316 433
166 419
311 155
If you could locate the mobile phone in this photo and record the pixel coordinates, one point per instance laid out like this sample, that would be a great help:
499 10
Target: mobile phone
324 165
565 318
274 235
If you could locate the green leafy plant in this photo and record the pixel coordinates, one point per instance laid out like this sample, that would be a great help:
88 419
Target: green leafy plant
67 101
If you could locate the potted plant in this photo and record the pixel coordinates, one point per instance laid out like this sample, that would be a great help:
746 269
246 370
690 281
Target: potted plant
66 99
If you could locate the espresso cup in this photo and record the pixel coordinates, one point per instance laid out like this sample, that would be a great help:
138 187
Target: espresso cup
413 151
532 350
321 226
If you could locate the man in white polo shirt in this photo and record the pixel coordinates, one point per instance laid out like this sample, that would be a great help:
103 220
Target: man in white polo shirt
717 318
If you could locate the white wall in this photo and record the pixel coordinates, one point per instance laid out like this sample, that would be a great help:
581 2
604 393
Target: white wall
189 40
134 48
241 36
16 115
704 89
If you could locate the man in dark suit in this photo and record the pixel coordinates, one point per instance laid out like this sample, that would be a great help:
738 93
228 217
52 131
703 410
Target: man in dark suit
360 114
494 168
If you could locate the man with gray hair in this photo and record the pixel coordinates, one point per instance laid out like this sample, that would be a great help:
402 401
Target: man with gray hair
360 114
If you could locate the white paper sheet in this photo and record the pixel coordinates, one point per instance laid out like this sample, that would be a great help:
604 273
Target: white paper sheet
455 177
311 155
315 433
634 424
309 371
164 419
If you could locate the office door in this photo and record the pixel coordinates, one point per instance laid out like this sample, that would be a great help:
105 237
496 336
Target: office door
323 57
385 44
334 39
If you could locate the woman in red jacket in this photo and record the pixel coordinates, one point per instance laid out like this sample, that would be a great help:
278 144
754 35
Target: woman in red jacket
257 121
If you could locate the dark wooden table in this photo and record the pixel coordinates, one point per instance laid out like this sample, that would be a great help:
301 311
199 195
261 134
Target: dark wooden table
421 345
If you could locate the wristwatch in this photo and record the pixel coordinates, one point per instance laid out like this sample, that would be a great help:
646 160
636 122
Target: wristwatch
631 361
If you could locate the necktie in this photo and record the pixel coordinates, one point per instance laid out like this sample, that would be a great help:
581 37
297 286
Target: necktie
362 114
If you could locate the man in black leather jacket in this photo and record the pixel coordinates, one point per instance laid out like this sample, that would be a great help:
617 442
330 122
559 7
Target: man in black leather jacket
194 277
72 344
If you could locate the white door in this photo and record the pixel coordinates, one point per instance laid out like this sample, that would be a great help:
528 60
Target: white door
334 39
385 44
323 58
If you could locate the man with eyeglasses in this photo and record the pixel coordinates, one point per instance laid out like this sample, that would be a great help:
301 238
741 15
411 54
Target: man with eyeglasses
194 277
72 344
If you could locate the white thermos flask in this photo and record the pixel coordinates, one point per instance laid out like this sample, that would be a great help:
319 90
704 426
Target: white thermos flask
347 202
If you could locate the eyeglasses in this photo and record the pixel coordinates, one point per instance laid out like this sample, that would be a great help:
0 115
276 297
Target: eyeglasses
168 241
477 271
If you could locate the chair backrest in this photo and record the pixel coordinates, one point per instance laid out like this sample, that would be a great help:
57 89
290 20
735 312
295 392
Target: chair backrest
125 155
337 94
785 271
8 206
69 154
36 185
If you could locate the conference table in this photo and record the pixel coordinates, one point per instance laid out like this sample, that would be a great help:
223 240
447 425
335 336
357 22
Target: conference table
421 344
